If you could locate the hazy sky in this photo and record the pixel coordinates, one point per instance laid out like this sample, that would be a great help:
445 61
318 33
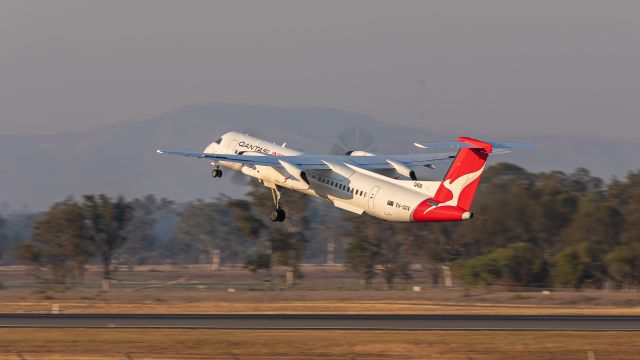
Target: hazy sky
472 67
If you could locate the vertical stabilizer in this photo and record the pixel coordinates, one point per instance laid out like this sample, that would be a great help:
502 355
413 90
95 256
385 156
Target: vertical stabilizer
454 196
459 185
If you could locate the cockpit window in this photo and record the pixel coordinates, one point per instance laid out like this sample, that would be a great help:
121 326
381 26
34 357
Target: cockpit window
218 141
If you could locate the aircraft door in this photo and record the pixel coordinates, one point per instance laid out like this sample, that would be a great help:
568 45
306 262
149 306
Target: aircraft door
372 197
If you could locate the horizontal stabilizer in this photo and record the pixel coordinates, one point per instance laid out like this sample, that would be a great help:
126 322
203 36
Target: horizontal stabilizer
468 145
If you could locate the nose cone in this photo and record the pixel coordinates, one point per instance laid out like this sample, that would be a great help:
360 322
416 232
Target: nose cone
467 215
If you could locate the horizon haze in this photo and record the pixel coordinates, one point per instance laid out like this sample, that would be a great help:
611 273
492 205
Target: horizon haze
491 68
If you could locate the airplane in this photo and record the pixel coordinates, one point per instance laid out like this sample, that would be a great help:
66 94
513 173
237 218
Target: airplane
383 186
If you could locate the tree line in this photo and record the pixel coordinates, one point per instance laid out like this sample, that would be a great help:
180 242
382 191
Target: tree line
531 230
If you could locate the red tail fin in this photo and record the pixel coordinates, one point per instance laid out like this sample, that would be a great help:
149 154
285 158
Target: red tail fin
459 185
453 198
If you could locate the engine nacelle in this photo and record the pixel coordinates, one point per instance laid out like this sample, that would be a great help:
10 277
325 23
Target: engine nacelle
403 169
299 181
359 153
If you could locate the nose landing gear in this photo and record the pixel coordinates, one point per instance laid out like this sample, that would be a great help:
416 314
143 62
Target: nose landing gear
277 214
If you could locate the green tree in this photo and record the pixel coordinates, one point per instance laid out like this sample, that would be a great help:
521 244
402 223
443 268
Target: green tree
325 233
521 265
481 270
395 259
598 222
205 233
623 265
626 195
555 201
60 243
290 237
285 243
245 222
142 245
363 250
377 246
518 264
434 246
106 220
579 266
506 203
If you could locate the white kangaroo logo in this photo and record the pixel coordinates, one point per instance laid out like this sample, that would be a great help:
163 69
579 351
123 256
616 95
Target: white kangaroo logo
456 187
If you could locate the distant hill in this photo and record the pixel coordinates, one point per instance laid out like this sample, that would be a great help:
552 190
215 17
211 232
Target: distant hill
121 158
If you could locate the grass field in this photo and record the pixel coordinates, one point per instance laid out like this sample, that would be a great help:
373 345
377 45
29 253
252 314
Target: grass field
289 302
166 289
233 344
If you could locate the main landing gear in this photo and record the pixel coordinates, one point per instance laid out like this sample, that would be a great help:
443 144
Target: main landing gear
216 172
277 214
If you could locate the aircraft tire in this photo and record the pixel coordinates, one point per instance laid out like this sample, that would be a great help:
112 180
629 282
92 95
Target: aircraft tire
277 215
274 215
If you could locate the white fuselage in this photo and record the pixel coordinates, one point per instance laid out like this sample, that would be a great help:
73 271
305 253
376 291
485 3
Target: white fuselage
346 186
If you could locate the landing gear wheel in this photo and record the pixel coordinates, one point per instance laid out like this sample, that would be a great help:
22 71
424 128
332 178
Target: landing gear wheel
216 173
277 215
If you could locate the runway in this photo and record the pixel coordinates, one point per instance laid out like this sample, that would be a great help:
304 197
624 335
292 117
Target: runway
326 321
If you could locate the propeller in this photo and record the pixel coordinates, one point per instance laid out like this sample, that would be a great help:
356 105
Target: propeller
353 139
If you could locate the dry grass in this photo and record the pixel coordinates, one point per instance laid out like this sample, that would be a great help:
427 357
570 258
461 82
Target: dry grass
230 344
391 302
166 289
309 307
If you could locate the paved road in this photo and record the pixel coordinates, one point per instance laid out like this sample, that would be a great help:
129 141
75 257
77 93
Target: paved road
327 321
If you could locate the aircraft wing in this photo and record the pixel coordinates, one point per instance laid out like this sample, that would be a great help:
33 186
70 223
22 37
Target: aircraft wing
323 162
